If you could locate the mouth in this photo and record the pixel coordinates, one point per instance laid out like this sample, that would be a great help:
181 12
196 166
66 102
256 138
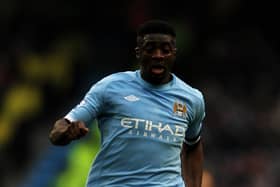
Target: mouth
157 69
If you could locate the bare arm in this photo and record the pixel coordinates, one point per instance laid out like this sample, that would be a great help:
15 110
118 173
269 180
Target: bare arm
64 131
192 164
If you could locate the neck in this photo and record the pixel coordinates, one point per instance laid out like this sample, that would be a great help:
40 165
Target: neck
156 80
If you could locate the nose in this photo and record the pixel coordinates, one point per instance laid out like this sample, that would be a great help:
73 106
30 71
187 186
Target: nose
157 53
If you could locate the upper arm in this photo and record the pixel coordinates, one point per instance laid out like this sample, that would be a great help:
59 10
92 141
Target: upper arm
193 133
91 105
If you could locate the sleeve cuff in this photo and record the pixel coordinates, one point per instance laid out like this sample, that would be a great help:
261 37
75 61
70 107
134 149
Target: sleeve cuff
192 141
69 118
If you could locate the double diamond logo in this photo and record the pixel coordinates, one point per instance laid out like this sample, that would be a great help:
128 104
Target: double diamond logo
131 98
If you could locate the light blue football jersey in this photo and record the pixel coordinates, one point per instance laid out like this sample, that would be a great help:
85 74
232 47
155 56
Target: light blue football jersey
142 129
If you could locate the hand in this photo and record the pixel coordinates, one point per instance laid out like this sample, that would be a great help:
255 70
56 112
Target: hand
76 130
65 131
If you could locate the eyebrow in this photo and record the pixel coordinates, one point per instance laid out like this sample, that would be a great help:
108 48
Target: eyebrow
145 39
159 43
159 39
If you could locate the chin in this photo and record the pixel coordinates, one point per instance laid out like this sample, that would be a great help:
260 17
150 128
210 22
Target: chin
156 81
159 78
158 75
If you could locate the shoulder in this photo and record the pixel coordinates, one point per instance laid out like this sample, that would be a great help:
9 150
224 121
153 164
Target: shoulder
119 76
194 97
195 94
125 76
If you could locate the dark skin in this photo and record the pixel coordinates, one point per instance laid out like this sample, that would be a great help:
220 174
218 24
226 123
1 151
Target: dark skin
192 164
64 131
156 54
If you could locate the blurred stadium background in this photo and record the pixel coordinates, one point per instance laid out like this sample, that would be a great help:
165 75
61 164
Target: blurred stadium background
53 51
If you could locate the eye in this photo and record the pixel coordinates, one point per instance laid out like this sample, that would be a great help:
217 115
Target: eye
149 48
166 49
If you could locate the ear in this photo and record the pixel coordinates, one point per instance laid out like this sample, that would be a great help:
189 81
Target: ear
137 52
175 51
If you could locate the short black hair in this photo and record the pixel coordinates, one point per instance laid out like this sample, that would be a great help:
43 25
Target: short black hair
156 27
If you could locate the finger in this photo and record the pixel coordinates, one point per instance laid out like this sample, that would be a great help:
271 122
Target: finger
79 130
81 124
84 131
74 131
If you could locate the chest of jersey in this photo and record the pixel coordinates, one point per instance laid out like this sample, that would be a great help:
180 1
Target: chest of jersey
155 114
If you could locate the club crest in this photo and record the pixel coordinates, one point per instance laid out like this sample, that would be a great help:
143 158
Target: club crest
180 109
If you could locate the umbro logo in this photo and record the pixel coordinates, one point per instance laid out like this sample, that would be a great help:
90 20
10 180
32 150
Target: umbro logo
131 98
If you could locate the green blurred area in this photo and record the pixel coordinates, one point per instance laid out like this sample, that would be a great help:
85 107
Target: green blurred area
79 161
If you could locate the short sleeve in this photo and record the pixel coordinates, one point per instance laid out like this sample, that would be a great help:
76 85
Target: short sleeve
91 105
193 133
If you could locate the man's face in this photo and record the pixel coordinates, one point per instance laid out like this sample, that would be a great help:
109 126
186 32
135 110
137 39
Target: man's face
156 53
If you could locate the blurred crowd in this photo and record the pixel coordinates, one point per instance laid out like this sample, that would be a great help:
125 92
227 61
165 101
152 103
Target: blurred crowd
52 52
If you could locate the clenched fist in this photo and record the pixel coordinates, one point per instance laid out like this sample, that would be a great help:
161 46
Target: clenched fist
64 131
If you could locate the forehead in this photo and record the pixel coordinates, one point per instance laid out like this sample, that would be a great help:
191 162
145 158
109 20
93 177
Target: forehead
158 38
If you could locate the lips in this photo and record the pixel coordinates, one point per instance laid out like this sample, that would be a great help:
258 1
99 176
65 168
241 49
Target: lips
157 69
